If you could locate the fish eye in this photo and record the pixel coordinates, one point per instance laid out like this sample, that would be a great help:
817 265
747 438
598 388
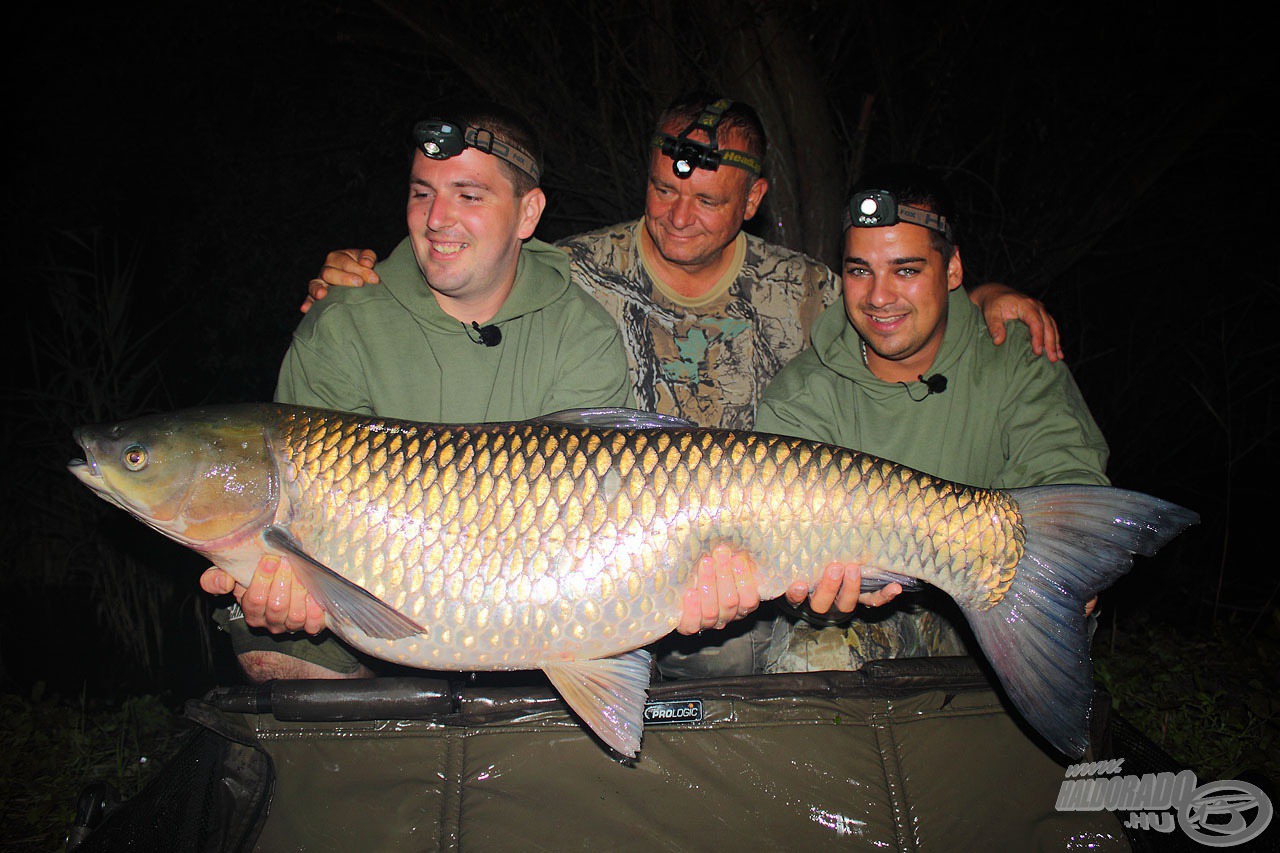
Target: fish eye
135 457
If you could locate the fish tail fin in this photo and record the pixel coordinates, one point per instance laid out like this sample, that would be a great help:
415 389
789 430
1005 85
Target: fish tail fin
1079 540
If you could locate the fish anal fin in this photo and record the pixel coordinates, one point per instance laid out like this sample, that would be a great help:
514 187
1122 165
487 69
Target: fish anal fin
608 694
344 601
877 579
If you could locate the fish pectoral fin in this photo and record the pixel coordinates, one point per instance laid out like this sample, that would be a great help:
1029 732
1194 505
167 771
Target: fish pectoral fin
608 694
345 602
614 417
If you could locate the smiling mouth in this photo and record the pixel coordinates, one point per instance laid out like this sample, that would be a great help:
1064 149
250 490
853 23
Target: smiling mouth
877 320
448 248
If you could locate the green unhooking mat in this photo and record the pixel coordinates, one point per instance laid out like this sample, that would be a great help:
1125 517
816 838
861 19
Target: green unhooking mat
903 755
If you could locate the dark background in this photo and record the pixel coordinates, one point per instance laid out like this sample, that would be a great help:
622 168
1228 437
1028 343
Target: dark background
179 174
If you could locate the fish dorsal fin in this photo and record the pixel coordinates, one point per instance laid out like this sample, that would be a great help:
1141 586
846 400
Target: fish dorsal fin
344 601
608 694
615 417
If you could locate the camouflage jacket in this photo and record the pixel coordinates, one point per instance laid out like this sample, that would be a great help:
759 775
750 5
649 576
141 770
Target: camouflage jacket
709 359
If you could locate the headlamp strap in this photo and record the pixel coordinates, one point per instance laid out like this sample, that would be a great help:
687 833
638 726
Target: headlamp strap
441 140
879 208
708 120
925 218
484 140
704 155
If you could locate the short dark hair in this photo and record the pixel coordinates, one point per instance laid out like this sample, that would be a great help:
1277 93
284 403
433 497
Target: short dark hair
505 124
917 186
739 117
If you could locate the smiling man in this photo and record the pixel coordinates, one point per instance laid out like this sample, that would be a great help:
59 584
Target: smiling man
708 314
904 368
475 321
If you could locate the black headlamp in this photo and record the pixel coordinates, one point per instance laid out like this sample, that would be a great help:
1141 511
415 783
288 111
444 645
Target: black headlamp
878 208
440 140
689 154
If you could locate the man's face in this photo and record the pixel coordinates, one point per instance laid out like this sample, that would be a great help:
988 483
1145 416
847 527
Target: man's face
895 293
693 220
466 224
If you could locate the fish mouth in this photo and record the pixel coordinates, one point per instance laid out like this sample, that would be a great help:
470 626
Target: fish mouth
86 470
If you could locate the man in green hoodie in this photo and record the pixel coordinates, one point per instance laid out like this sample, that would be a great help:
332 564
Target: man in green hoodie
475 321
903 367
708 315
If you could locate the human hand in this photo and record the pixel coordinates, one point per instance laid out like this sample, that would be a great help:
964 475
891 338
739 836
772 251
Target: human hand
273 600
1000 303
342 268
725 591
841 585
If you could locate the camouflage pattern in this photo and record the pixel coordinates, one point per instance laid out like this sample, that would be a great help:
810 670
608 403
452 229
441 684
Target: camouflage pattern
896 630
705 360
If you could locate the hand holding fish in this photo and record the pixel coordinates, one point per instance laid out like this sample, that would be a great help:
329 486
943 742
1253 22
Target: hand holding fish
841 586
274 599
726 591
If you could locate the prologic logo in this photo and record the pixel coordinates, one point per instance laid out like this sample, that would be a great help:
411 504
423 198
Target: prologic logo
678 711
1218 814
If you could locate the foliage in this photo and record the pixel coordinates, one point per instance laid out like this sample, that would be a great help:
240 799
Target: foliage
96 353
51 747
1210 699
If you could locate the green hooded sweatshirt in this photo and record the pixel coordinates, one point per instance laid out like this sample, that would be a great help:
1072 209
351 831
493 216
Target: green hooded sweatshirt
1007 418
391 350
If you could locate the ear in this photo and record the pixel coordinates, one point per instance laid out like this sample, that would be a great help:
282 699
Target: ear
955 271
755 195
531 207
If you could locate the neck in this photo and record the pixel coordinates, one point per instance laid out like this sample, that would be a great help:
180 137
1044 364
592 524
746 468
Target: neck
906 370
479 308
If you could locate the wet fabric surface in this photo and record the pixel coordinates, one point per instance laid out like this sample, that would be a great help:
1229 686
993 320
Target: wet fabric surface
876 759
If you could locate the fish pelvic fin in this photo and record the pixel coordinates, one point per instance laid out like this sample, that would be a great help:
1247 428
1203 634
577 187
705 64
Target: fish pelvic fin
345 603
608 694
1079 540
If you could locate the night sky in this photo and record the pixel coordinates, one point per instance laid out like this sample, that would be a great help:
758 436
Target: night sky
204 159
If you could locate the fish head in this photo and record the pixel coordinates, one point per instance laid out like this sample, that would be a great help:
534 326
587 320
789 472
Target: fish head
204 478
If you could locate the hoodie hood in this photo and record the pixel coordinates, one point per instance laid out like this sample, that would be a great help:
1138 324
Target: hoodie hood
542 276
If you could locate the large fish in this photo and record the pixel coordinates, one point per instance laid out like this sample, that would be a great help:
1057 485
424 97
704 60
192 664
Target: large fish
565 544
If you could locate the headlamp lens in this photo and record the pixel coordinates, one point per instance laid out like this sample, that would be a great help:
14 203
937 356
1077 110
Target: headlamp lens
439 140
879 208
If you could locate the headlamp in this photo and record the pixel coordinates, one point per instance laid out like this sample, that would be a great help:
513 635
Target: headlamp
688 154
878 208
440 140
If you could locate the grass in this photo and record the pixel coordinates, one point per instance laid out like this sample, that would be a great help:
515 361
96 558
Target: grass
1211 698
52 746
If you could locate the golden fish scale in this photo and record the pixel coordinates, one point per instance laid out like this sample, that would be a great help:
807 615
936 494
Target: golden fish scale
521 543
